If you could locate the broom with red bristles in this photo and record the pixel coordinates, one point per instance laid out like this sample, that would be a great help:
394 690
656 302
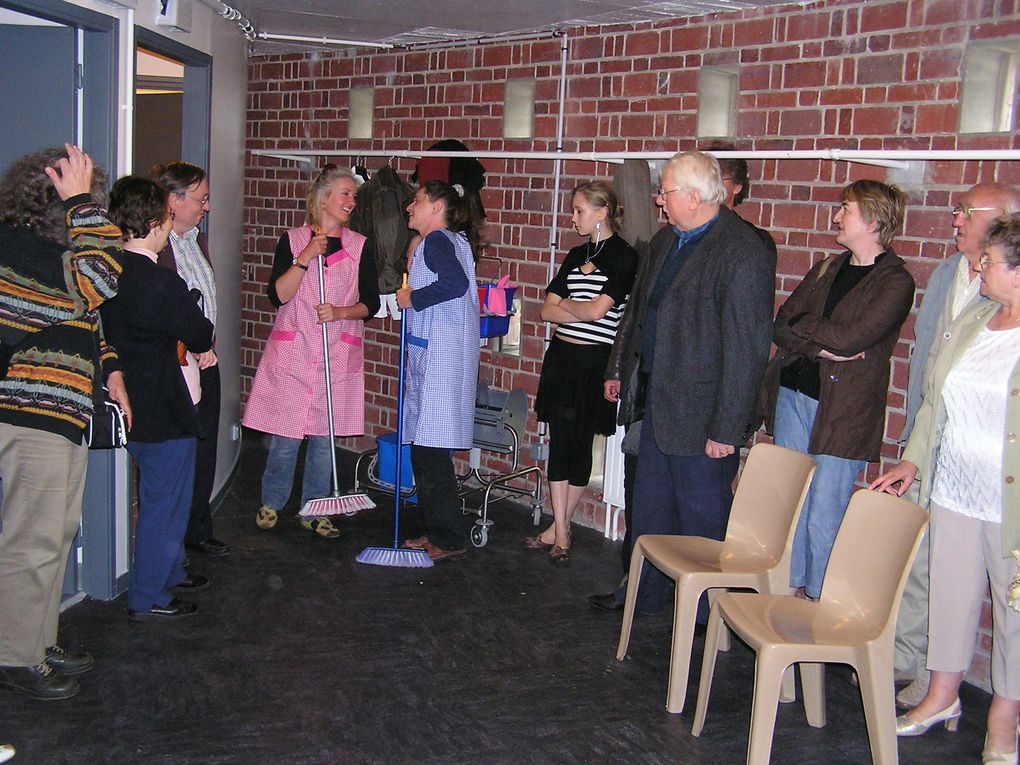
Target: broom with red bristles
337 503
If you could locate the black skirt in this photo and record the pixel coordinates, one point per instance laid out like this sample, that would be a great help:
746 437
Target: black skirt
571 387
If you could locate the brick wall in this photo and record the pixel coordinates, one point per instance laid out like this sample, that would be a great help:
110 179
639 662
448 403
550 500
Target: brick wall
831 74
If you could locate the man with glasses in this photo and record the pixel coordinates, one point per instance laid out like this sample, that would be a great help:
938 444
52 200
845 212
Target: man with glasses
188 253
694 342
952 288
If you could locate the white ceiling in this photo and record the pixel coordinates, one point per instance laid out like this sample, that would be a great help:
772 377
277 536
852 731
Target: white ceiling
402 22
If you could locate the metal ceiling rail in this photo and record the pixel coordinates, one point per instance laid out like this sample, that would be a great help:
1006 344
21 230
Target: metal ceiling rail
892 158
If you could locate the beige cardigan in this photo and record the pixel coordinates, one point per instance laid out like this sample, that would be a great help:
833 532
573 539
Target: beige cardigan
922 447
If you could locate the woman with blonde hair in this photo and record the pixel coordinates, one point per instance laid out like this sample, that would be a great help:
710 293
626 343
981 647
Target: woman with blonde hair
826 387
585 301
288 395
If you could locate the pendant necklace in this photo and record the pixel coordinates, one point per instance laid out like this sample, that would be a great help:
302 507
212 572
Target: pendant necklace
598 248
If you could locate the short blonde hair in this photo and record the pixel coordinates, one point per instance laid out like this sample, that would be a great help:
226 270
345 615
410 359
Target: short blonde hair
320 187
879 202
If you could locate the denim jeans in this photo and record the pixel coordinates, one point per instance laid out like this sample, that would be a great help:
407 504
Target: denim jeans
826 501
278 477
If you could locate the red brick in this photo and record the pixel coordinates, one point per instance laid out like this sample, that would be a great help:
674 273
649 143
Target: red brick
875 69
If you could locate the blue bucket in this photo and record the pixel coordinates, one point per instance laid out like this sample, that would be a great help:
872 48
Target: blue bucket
387 464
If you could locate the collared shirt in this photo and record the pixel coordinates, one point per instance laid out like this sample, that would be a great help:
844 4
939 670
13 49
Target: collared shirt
670 268
195 270
964 287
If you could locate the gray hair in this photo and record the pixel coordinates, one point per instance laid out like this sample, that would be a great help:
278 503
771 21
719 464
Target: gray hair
696 171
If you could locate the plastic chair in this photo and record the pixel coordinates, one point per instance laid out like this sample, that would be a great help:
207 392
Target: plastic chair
755 553
852 623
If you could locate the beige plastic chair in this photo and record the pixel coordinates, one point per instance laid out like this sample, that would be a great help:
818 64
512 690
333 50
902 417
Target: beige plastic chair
852 623
754 555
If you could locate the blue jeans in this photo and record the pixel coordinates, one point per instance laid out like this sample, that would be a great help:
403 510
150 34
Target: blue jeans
826 500
278 477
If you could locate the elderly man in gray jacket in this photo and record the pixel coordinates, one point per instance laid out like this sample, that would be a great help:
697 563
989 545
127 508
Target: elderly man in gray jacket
952 288
695 341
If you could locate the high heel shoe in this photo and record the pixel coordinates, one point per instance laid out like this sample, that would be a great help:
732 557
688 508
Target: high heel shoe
950 716
991 757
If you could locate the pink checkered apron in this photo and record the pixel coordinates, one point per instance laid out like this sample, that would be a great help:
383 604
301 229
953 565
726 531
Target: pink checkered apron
288 396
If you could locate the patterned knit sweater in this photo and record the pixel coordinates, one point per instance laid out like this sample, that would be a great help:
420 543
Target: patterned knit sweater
49 324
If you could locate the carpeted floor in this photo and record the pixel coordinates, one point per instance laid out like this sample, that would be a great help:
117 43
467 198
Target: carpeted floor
300 655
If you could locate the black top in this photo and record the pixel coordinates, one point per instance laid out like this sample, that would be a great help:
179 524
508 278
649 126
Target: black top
804 374
368 285
616 260
152 311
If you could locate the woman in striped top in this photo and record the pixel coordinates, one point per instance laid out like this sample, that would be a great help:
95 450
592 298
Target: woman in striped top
585 301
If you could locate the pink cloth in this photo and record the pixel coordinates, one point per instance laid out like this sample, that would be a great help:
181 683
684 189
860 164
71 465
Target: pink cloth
288 395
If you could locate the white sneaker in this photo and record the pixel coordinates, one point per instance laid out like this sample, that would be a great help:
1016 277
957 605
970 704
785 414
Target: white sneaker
914 693
6 752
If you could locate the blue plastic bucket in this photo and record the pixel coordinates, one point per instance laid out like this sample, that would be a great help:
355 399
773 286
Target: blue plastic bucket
387 464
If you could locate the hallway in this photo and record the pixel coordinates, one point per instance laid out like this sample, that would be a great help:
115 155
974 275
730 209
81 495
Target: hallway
299 655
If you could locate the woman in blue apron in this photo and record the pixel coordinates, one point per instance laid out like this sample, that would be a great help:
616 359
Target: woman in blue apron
442 358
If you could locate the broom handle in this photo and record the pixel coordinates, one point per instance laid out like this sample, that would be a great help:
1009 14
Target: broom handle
400 422
329 379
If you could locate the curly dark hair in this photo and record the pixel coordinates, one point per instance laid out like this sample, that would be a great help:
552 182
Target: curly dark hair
137 204
29 201
458 213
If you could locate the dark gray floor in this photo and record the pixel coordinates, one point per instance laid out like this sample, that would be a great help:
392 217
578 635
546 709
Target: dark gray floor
301 655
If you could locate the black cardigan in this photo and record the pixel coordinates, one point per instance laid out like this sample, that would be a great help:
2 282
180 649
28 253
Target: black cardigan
152 311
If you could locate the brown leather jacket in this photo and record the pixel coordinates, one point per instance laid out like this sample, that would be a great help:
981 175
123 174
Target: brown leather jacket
851 407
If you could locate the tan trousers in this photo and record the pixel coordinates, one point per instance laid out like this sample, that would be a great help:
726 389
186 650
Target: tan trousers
966 556
43 481
910 648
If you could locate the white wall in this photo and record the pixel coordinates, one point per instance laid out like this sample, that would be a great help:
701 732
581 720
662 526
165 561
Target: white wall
223 41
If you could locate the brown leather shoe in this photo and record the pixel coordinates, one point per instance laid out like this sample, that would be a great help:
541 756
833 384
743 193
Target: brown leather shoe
536 543
418 543
438 553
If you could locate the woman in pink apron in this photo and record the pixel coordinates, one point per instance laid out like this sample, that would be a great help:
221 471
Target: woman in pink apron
442 359
288 396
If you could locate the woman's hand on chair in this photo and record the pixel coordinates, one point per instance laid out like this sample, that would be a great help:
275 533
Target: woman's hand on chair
902 474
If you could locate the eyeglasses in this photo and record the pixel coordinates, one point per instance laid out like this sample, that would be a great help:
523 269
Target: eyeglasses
967 212
204 201
984 261
666 192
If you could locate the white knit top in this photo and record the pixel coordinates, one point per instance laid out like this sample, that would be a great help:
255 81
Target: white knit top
969 472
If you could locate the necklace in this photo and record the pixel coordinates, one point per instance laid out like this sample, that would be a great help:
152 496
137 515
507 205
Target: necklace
598 248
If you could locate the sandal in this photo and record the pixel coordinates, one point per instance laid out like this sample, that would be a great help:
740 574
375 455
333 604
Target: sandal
536 543
559 554
265 518
322 526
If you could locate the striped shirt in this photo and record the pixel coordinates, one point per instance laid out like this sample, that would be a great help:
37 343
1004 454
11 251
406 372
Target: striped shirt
48 321
583 287
615 266
195 270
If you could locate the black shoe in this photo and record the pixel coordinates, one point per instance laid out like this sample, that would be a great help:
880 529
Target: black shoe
175 609
210 547
40 682
191 583
69 662
607 602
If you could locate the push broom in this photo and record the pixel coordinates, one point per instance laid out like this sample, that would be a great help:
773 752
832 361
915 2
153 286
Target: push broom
401 557
335 504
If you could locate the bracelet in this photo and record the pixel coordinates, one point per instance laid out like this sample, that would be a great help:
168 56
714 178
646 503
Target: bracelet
300 265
